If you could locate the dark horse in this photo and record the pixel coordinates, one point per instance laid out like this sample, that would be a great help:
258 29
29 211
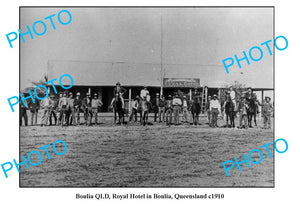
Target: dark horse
251 112
195 109
118 109
229 111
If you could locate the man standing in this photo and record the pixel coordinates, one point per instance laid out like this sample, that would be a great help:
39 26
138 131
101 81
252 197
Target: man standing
161 108
52 109
169 110
134 109
87 106
96 104
215 109
63 105
242 110
71 110
45 106
267 109
207 108
77 106
176 107
185 110
23 112
34 108
155 106
58 109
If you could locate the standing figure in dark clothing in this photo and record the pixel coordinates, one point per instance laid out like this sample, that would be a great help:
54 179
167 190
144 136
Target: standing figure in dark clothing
77 106
23 113
155 105
52 109
34 108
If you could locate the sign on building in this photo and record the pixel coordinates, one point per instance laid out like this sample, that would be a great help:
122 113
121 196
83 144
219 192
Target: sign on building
181 82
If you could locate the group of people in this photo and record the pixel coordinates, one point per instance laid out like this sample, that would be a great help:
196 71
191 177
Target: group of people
66 110
241 107
165 110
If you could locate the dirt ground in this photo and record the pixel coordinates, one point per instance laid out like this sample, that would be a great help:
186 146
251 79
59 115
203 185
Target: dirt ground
153 156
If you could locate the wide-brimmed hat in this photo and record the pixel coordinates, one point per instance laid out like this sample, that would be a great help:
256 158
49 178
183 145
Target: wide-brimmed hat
78 93
118 83
96 94
52 96
267 97
157 94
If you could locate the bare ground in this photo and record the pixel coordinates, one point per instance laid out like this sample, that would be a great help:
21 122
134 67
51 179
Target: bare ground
152 156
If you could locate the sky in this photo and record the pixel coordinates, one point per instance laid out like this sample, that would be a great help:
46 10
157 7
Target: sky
191 37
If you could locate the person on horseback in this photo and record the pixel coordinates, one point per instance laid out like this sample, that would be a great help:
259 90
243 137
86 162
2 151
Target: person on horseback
118 90
145 95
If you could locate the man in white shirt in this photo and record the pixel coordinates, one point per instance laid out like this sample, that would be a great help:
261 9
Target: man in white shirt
232 95
144 93
176 107
215 109
45 106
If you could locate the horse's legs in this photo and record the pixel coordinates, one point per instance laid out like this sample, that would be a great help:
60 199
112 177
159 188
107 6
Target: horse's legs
232 120
227 119
146 119
250 125
193 114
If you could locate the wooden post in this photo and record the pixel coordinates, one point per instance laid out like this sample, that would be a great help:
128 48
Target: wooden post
190 94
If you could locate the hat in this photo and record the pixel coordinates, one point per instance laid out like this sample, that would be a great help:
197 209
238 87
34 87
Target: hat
78 93
145 86
64 94
118 83
209 96
184 96
52 96
169 96
267 97
215 95
95 94
88 94
157 94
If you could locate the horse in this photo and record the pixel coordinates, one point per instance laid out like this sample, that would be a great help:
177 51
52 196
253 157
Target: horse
229 111
118 109
195 109
251 112
144 107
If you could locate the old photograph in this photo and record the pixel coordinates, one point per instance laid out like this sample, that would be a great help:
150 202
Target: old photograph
146 96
